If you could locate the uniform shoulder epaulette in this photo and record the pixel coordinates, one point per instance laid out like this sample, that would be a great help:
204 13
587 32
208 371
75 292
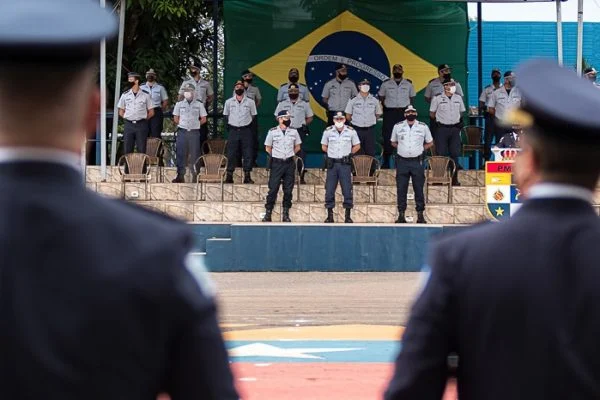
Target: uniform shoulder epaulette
145 91
432 80
409 80
330 127
200 101
273 128
127 91
349 127
422 123
388 79
284 84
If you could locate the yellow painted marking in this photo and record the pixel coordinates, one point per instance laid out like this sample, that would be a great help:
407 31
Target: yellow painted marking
332 332
498 179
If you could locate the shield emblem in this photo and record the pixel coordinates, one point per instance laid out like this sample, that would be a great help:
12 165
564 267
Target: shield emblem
502 195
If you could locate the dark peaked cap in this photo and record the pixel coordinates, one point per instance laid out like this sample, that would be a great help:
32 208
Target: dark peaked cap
53 30
557 101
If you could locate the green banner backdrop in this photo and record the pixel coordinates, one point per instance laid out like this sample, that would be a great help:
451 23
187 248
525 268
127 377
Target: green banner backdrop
271 36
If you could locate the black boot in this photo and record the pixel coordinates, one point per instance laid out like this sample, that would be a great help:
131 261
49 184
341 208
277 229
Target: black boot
302 181
420 218
179 179
267 217
401 219
285 217
348 220
247 178
229 177
329 215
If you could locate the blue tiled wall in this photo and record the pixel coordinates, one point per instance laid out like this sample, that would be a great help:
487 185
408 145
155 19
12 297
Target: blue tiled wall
506 44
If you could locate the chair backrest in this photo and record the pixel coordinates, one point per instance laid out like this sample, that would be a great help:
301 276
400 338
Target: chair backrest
363 165
154 147
216 146
137 163
439 167
473 135
213 164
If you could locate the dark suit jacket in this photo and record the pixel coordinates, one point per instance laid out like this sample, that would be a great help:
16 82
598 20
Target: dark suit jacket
95 299
518 301
507 141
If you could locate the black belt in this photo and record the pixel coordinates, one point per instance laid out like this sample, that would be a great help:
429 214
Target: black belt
409 158
135 122
449 126
282 160
336 160
394 108
362 127
188 130
239 128
158 108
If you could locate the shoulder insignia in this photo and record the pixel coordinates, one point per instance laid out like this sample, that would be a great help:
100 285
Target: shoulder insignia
273 129
330 127
432 80
283 84
145 91
409 80
349 127
388 79
422 123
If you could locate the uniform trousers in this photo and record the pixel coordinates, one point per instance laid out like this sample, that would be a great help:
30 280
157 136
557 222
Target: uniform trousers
281 170
187 148
366 135
410 168
342 173
303 132
155 124
239 140
254 129
135 133
391 116
447 142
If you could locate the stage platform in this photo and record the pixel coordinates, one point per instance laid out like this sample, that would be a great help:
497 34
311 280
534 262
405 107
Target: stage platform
315 247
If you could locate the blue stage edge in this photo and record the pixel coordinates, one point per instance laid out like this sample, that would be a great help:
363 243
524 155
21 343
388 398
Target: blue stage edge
315 247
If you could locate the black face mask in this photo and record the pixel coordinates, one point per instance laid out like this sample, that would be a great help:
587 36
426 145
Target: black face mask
249 81
151 78
293 78
495 78
447 76
132 84
293 96
287 123
342 76
239 92
411 117
397 75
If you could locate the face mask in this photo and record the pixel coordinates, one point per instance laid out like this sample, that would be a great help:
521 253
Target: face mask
248 81
188 95
495 78
151 78
512 81
365 88
447 76
339 124
397 75
239 92
293 78
342 76
411 117
287 123
132 83
293 96
452 89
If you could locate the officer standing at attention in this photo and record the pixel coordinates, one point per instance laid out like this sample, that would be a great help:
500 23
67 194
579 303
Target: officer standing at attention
446 110
253 93
411 138
82 316
340 142
238 112
135 107
282 143
204 93
293 76
301 116
189 114
484 99
517 300
502 100
395 94
362 111
436 87
337 92
160 100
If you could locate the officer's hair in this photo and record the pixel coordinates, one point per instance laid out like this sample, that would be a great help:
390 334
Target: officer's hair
565 161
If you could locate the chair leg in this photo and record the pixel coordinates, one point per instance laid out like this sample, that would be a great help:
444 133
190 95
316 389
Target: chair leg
426 192
123 189
147 188
222 194
450 193
375 192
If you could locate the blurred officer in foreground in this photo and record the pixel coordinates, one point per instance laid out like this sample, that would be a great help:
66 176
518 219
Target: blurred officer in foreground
340 142
160 101
282 143
518 300
512 139
82 319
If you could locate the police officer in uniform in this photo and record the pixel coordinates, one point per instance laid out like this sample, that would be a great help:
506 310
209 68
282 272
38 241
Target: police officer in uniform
340 142
484 99
446 110
395 94
252 92
92 306
503 99
293 76
362 111
436 87
160 100
238 112
337 92
517 300
135 107
189 114
301 117
512 139
204 93
411 138
282 143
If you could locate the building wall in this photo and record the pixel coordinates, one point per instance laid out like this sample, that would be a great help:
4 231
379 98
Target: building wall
506 44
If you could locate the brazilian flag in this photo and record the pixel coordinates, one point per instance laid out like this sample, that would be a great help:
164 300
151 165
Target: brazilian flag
269 37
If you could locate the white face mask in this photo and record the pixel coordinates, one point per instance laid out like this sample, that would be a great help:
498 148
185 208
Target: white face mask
188 95
452 89
365 88
339 124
